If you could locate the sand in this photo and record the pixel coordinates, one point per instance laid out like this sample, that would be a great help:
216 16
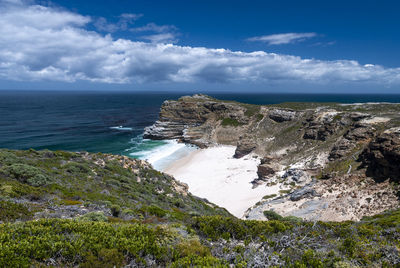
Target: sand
214 174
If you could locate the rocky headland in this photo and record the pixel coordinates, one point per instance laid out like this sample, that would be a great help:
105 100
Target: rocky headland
331 161
321 162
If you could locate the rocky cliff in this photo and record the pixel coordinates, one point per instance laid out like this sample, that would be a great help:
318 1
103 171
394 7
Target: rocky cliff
318 153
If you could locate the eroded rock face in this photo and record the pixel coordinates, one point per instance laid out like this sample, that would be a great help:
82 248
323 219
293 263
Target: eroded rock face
193 119
245 146
341 148
297 146
382 156
280 115
321 126
360 132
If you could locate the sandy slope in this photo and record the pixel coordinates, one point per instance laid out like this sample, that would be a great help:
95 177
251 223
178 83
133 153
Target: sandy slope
214 174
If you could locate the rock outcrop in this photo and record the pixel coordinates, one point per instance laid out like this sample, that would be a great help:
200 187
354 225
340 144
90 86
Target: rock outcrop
382 156
298 143
245 146
319 127
280 115
194 120
266 168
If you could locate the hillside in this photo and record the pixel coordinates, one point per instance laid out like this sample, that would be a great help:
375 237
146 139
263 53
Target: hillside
331 161
95 210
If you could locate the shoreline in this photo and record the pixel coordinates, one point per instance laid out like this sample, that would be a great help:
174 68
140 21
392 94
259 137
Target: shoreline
214 174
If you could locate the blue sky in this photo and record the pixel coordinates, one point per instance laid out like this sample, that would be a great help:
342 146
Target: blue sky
274 46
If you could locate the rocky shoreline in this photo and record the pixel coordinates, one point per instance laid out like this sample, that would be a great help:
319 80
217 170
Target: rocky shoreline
330 161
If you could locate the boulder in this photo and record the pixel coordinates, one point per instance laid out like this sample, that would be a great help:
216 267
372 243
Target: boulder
304 192
296 175
265 169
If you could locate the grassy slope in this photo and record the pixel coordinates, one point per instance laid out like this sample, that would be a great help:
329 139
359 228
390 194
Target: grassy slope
141 219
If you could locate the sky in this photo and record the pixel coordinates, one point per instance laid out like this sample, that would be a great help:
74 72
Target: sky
242 46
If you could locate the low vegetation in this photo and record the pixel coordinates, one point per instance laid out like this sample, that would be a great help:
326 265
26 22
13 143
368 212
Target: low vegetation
121 212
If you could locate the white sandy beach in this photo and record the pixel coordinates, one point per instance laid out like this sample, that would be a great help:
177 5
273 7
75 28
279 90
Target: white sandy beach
214 174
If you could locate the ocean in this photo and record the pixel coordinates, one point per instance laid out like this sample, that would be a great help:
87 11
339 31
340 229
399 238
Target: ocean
113 122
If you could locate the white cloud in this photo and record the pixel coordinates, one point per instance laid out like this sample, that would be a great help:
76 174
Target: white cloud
152 27
284 38
40 43
160 38
125 20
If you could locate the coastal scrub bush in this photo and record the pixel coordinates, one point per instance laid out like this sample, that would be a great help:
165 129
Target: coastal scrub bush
230 122
272 215
69 243
106 258
77 168
7 158
192 247
269 196
198 261
154 210
216 227
10 211
93 216
27 174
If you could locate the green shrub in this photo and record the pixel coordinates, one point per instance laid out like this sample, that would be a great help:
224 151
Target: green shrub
156 211
107 258
7 158
192 247
197 261
230 122
269 196
216 227
349 246
10 211
77 168
93 216
272 215
292 219
309 259
27 174
70 243
128 212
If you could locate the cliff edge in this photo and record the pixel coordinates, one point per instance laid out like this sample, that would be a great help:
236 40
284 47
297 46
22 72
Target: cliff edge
331 161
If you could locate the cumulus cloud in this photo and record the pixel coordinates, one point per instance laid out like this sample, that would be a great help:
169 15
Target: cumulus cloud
283 38
160 33
39 43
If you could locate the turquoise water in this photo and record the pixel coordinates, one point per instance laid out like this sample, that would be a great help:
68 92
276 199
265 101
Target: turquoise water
112 122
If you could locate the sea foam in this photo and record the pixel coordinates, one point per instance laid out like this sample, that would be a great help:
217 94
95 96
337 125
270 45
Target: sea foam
161 154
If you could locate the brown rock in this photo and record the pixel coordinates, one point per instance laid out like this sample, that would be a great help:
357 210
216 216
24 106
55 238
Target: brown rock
265 169
382 156
245 146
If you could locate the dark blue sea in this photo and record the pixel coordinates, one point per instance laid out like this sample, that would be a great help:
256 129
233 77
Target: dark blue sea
91 121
